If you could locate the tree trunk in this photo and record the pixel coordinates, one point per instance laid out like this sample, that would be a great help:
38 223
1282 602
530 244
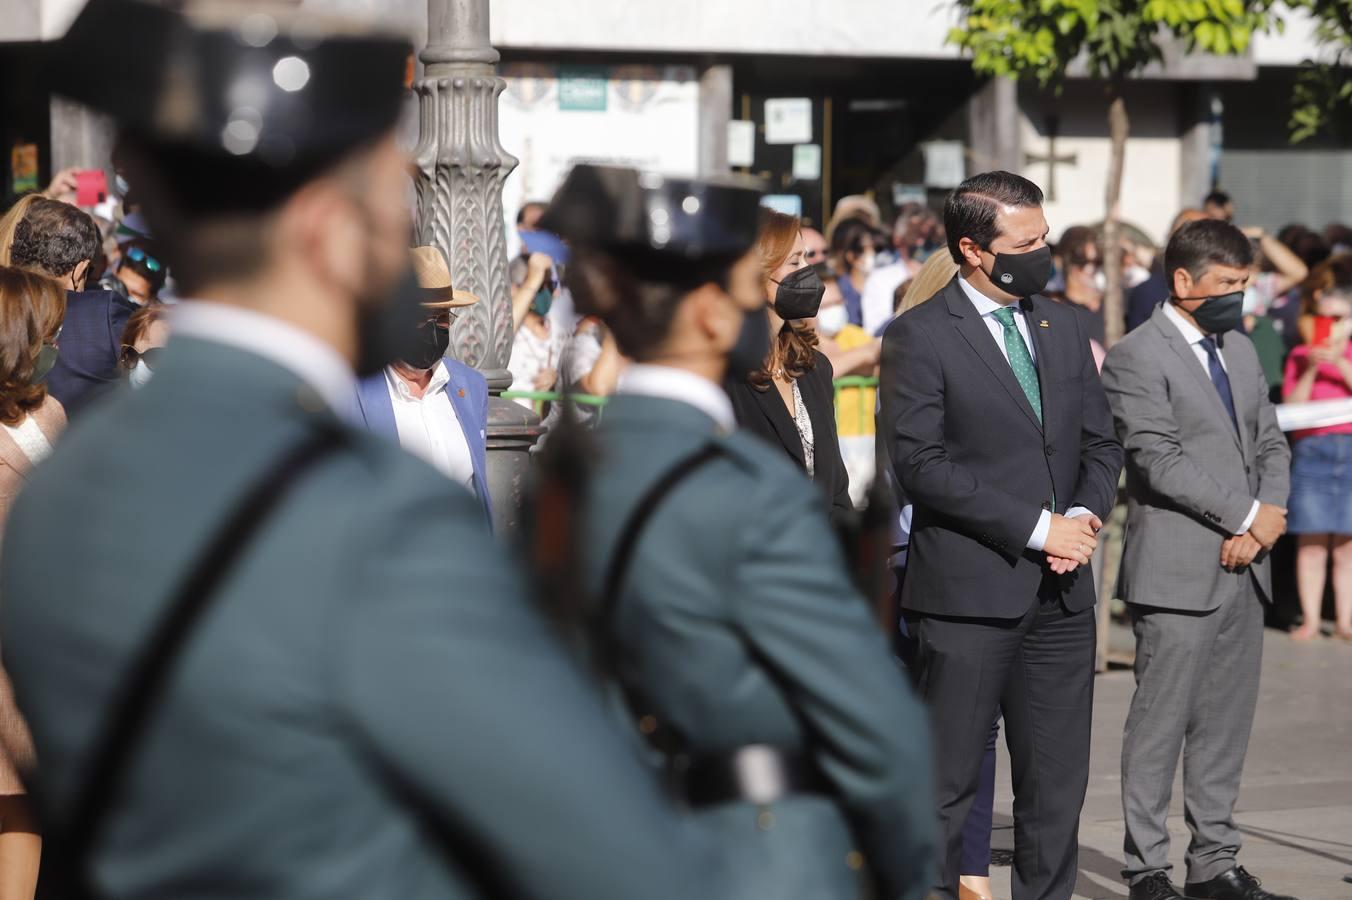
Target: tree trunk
1115 322
1119 126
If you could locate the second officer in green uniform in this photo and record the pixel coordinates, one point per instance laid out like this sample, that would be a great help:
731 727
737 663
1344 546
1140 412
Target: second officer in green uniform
725 610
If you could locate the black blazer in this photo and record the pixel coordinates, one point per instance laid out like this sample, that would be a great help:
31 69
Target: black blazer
969 451
763 413
90 345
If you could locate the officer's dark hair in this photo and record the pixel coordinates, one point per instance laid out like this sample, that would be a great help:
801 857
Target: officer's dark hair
1207 242
637 294
206 246
54 237
973 209
1216 198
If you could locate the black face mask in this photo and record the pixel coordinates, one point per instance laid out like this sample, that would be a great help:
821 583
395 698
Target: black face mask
433 341
1022 274
799 295
388 331
1219 314
753 345
46 361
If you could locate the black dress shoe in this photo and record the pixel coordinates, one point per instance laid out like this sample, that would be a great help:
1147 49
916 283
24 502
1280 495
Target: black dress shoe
1155 886
1237 884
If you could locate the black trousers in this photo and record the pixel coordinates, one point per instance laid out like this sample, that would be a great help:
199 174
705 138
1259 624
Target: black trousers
1039 669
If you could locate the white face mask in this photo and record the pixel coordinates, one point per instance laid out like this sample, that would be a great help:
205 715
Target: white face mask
864 264
140 374
831 319
1100 281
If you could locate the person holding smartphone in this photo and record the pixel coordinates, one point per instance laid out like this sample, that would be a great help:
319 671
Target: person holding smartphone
1321 486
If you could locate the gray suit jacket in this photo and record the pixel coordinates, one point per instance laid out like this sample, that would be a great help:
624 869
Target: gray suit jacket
740 626
371 708
1191 479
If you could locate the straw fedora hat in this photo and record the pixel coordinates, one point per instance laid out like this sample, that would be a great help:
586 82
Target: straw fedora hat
434 277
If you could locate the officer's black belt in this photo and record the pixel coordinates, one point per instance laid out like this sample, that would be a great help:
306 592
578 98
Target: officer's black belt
756 773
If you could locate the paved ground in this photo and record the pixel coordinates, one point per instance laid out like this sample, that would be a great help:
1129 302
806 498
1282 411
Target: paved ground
1295 809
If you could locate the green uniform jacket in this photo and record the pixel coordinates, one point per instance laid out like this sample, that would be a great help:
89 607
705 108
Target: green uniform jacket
739 625
371 708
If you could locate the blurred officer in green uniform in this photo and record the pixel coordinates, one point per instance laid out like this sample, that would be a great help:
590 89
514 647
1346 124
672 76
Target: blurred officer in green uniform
368 706
724 608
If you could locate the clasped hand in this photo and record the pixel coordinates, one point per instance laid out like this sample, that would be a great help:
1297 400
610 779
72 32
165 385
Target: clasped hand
1070 542
1242 549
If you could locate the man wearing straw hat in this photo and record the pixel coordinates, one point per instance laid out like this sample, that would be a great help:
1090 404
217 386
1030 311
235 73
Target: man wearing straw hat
434 406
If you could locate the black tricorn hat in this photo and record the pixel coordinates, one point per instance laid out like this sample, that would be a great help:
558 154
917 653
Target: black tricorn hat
619 209
236 103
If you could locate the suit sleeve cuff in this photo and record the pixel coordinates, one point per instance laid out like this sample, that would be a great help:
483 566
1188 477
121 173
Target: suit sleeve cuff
1038 539
1253 514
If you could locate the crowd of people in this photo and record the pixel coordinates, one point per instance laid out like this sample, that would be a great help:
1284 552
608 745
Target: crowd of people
263 637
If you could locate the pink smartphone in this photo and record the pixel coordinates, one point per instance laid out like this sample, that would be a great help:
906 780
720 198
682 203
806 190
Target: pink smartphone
91 187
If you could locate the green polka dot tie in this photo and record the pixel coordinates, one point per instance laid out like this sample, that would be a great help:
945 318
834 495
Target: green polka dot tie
1019 359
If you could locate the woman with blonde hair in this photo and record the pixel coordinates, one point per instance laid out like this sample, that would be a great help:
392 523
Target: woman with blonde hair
31 310
790 400
932 278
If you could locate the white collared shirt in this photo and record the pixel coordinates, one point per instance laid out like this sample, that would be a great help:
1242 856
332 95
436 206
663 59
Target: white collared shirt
986 308
428 426
1194 336
315 362
677 384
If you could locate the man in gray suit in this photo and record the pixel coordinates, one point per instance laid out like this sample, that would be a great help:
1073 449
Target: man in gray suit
1207 476
370 706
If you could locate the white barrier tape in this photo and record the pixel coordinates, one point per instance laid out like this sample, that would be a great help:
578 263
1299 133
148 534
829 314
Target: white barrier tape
1318 414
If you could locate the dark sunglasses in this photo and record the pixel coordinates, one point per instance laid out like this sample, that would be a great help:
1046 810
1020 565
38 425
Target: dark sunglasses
440 320
150 356
137 255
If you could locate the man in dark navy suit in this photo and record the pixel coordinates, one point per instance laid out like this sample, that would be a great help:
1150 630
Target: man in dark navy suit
61 241
999 432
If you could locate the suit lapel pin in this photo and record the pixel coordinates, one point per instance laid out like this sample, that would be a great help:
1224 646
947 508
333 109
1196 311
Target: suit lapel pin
1043 323
460 393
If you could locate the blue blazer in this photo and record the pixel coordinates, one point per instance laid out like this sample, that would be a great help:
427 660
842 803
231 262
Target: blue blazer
469 397
90 343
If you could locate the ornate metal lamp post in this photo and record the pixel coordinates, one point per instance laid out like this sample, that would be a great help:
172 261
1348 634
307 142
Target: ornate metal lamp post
461 169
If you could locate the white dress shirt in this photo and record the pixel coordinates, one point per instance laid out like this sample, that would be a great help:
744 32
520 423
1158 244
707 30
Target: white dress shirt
1194 336
428 426
315 362
678 384
986 308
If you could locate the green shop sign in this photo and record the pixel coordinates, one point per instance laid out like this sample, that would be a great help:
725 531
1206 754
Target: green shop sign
583 88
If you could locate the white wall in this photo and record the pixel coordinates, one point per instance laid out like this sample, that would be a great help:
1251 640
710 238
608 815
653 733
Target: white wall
1291 47
20 20
894 28
1151 175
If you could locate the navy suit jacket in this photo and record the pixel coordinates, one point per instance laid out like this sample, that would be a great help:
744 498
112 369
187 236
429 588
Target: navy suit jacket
469 397
980 465
90 343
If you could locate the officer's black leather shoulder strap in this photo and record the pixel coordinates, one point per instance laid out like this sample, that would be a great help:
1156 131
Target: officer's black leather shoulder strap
604 625
135 700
